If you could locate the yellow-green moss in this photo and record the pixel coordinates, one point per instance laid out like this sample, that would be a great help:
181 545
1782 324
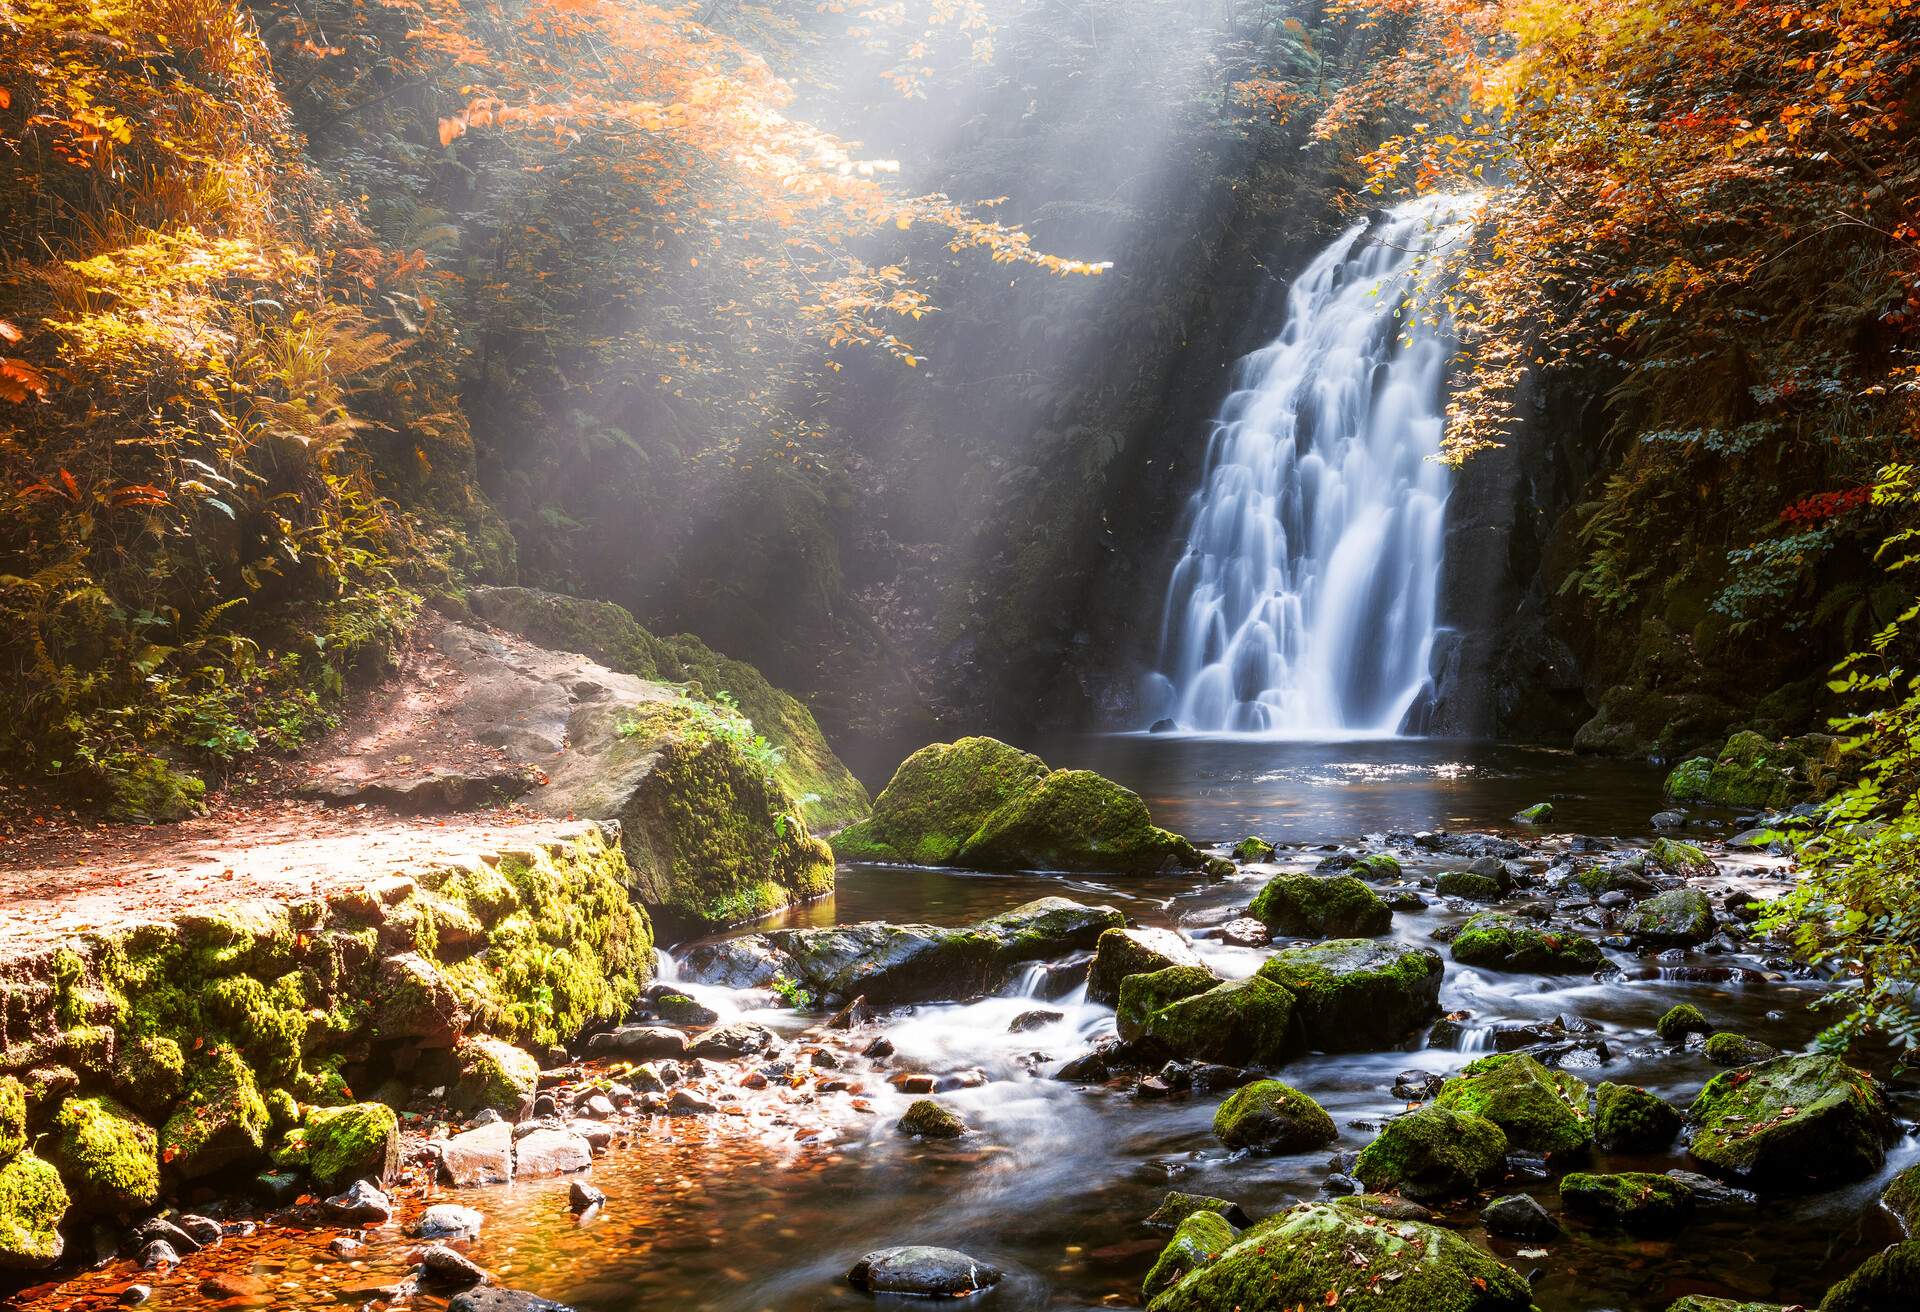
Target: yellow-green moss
221 1120
937 799
1542 1110
107 1157
32 1203
13 1118
357 1142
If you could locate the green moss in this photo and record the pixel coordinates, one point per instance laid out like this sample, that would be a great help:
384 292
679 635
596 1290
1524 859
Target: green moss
283 1110
1887 1281
928 1119
1435 1152
1177 1207
1272 1117
1244 1022
1791 1120
13 1118
1199 1239
1689 780
1537 814
1251 849
1292 1260
1122 952
493 1074
147 790
1541 1110
1075 820
1679 858
1681 1020
1727 1049
1466 884
1337 906
1703 1303
937 799
221 1120
356 1142
1500 942
1629 1119
1634 1199
1679 916
1902 1198
1353 994
32 1203
106 1155
1151 991
1380 865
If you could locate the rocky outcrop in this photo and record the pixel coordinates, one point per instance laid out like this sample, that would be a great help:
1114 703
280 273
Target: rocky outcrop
1750 770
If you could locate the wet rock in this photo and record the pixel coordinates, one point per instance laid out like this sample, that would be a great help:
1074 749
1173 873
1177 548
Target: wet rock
1540 1110
1469 886
1417 1086
1122 952
1681 1020
1471 846
1354 995
600 1107
1199 1239
1294 1258
1902 1198
1500 942
581 1196
550 1152
1628 1119
1268 1116
922 1272
1681 916
1517 1216
598 1134
449 1223
158 1255
735 963
1668 819
1709 1193
493 1076
1251 849
1177 1207
1790 1121
679 1009
135 1295
546 1107
912 1082
205 1230
443 1266
360 1204
346 1246
1433 1153
1727 1049
1388 1207
1087 1068
1038 1018
1152 1089
927 1119
684 1102
231 1286
638 1042
415 1001
880 1048
488 1298
160 1228
1635 1200
1684 860
278 1188
852 1016
1243 1022
1334 906
1889 1281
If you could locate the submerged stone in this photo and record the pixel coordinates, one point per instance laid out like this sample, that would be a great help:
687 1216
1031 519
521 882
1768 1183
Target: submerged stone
1272 1117
1355 994
922 1272
1434 1152
1792 1120
1337 906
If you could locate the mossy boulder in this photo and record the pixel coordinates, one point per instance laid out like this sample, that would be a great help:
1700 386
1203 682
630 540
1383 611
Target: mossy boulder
1690 780
32 1204
1244 1022
147 790
927 1119
1336 906
1728 1049
1124 952
1679 917
1790 1121
1541 1110
1251 849
937 799
1677 858
492 1073
1636 1200
1177 1207
221 1121
1628 1119
1681 1020
108 1158
1705 1303
1902 1198
1751 770
360 1141
1321 1254
13 1118
1434 1152
1465 884
1889 1281
1141 996
149 1072
1199 1239
1501 942
1272 1117
1377 865
1354 994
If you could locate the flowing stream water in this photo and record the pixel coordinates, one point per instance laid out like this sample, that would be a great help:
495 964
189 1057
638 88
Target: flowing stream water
1303 603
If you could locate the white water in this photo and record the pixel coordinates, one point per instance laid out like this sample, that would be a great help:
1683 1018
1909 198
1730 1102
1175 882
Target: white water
1304 602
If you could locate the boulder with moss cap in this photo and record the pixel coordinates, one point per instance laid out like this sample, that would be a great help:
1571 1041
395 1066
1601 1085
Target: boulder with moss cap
1337 906
492 1073
1791 1121
1123 952
1433 1152
1200 1238
1243 1022
32 1204
1540 1110
1143 995
1272 1117
360 1141
108 1158
1354 994
1629 1119
1495 941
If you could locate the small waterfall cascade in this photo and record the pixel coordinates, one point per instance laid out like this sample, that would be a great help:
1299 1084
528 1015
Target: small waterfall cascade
1303 604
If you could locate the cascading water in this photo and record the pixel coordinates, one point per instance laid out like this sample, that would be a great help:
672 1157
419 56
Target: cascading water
1304 602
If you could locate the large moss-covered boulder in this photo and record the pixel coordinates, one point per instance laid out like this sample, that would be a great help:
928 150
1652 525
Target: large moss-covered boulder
1434 1152
1792 1120
1889 1281
1143 995
1199 1239
1244 1022
1500 942
360 1141
1354 994
108 1157
1679 917
1628 1119
1635 1200
1541 1110
1321 1255
1272 1117
937 799
1336 906
32 1203
221 1121
1750 770
612 636
1124 952
493 1074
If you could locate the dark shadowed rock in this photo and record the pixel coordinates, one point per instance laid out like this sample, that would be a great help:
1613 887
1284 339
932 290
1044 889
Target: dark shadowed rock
923 1272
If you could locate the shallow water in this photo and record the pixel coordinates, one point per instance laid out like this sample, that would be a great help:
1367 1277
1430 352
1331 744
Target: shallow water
745 1213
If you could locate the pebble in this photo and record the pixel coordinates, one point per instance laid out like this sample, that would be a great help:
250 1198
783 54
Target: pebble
158 1254
135 1295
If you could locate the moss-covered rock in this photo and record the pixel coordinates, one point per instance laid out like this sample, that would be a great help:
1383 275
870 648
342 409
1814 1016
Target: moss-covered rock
1500 942
149 1072
1902 1198
1076 820
147 790
1728 1049
1677 858
937 799
1681 1020
927 1119
1678 917
1792 1120
1141 996
1199 1239
1705 1303
1124 952
492 1073
360 1141
1337 906
1628 1119
1354 994
1889 1281
1465 884
1377 865
32 1204
13 1118
1537 814
1244 1022
221 1121
1294 1259
1251 849
1434 1152
1750 770
107 1157
1689 780
1272 1117
1637 1200
1541 1110
1177 1207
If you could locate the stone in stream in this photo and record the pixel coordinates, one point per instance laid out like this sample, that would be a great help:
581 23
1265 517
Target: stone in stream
582 1197
1537 814
1038 1018
1177 1207
1199 1239
1889 1281
1679 1021
489 1298
1902 1198
1123 952
1628 1119
1141 995
1635 1200
449 1222
740 1039
158 1255
678 1009
1251 849
360 1204
360 1141
493 1076
1518 1216
550 1152
135 1295
1246 932
1680 917
1272 1117
1791 1121
1469 886
1354 994
1729 1049
928 1119
1294 1258
1500 942
1673 857
159 1227
1539 1110
1331 906
639 1041
1433 1153
443 1266
1417 1086
922 1272
476 1157
1244 1022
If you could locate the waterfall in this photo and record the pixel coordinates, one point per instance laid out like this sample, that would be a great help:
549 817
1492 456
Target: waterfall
1304 602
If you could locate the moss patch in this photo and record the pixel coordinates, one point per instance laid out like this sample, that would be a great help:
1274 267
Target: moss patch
1199 1239
1435 1152
108 1158
357 1142
1636 1200
1500 942
1680 1020
493 1074
32 1203
1790 1121
1272 1117
1142 995
937 798
1628 1119
1244 1022
1336 906
1354 994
